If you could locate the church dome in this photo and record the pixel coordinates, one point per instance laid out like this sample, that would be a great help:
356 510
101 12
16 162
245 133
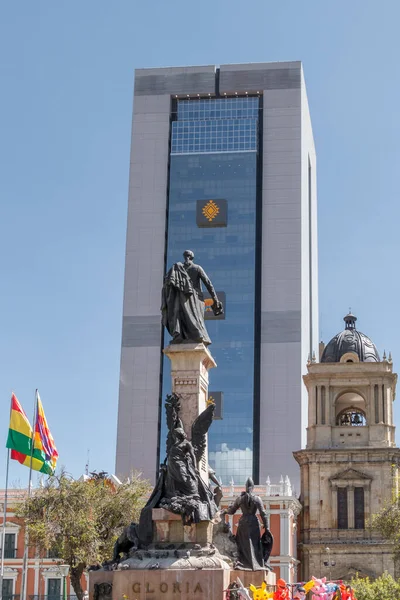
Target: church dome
350 340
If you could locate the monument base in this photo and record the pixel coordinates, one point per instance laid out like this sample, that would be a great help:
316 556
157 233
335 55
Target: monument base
158 584
254 577
177 546
171 584
168 527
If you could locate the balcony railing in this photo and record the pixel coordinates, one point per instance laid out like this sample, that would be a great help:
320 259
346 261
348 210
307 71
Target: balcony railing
9 597
9 552
341 536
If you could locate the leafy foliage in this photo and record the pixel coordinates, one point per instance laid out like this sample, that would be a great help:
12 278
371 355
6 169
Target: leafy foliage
80 520
382 588
387 523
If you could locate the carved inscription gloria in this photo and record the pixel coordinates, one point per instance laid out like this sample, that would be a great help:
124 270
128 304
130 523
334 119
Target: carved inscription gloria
177 588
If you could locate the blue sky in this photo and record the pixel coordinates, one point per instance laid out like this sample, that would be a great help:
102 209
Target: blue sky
65 116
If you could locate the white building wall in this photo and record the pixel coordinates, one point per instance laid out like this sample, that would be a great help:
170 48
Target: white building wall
286 264
309 254
138 409
281 337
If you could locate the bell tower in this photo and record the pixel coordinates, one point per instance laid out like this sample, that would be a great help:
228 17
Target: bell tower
350 465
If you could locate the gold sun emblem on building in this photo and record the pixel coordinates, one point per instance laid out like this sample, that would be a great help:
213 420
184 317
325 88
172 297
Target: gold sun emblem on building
210 210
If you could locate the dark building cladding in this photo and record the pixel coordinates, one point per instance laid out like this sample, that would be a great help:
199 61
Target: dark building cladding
214 157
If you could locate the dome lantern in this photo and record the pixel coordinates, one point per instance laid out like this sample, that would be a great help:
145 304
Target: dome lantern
350 321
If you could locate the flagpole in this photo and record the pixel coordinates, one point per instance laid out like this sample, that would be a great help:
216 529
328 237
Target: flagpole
3 534
26 540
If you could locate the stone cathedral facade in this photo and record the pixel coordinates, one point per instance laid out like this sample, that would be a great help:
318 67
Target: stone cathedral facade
350 466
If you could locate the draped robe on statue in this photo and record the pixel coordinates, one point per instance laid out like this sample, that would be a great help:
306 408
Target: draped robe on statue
182 477
183 303
254 550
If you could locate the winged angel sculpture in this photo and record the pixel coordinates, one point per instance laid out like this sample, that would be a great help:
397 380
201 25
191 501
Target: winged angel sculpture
179 487
185 491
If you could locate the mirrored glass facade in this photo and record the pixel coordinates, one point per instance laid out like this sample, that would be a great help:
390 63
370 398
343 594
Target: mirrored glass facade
212 125
214 156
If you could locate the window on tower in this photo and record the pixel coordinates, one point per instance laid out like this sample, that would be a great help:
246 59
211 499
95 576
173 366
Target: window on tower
343 522
359 519
351 417
351 492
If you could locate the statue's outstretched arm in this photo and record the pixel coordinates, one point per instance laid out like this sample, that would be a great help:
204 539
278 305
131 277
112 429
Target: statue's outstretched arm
233 507
207 282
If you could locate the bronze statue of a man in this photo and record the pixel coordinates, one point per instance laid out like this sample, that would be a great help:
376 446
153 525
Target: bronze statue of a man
183 301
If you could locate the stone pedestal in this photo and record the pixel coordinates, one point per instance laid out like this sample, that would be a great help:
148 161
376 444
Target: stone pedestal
254 577
190 364
168 527
204 584
171 584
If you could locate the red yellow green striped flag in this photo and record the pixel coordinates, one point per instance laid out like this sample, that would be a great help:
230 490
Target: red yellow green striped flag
19 441
43 439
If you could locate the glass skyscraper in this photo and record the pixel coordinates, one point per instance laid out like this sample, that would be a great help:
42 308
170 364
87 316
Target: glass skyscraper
214 154
223 164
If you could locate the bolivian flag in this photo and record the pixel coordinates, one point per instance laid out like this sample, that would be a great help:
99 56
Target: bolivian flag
20 437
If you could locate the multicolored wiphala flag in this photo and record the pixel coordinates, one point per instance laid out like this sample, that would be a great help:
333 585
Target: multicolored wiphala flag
44 441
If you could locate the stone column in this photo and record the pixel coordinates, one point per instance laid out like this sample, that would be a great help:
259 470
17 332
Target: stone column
190 364
371 412
36 581
380 403
311 406
367 501
389 405
284 571
334 506
331 404
350 506
284 532
385 404
305 475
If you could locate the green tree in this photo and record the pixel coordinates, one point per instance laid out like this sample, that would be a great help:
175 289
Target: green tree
382 588
80 520
387 523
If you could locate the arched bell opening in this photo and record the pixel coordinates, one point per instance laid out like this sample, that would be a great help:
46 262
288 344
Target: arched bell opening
351 417
350 410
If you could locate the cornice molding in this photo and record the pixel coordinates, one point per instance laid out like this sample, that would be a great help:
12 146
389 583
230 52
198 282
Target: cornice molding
310 456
